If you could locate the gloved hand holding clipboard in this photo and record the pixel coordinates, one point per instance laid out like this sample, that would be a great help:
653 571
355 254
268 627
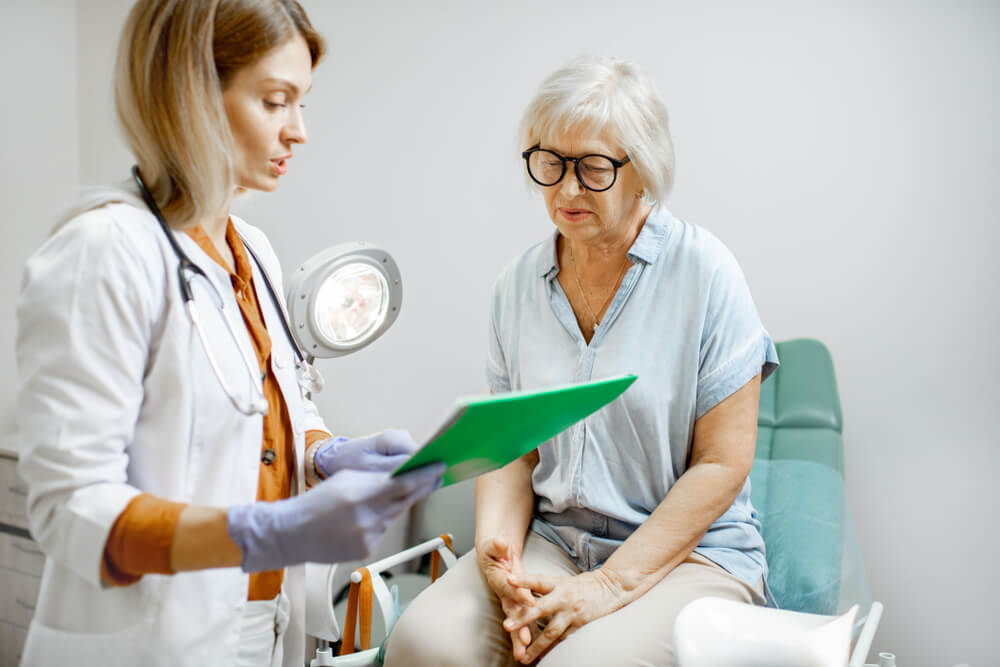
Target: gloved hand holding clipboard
484 433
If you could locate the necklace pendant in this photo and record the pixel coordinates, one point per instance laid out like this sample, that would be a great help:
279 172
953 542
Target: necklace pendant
594 329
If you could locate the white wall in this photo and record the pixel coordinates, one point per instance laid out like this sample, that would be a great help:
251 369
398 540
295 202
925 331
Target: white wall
38 149
847 155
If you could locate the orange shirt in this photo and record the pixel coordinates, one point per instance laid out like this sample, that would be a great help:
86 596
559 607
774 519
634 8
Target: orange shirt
140 540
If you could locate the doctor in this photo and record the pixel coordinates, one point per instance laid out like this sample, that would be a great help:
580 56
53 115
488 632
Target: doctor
168 452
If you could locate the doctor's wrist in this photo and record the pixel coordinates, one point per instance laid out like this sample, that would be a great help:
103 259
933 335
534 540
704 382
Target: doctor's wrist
323 460
314 474
256 530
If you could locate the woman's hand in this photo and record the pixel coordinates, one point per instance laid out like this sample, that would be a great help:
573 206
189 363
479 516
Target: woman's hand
498 562
568 603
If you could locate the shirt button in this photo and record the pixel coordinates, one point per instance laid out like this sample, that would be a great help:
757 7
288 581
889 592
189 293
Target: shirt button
279 361
268 456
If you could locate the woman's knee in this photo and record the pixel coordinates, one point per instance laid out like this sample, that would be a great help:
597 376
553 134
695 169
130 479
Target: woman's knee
414 641
449 623
424 632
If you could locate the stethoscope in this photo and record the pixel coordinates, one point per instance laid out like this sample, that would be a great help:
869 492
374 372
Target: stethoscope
308 377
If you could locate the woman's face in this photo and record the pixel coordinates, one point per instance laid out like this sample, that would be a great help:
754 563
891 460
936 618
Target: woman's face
262 103
584 215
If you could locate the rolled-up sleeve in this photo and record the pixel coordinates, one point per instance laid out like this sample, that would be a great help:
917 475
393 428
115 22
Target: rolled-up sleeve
83 335
734 346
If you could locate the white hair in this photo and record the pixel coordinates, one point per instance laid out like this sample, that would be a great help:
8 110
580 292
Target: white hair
593 94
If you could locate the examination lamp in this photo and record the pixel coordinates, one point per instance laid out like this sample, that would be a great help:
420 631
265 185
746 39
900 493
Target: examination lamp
343 298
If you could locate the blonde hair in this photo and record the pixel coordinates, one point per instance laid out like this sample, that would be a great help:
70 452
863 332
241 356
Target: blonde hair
175 58
591 94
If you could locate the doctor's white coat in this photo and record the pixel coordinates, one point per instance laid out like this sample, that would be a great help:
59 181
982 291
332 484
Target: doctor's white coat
116 397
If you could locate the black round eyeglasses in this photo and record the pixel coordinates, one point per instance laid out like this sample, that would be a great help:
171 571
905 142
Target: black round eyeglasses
594 171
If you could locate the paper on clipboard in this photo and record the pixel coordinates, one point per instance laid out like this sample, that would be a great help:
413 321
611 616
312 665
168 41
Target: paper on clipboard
484 433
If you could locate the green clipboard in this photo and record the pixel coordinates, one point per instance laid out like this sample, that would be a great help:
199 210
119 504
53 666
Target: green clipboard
484 433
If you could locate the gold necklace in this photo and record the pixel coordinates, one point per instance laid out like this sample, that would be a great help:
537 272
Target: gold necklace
583 293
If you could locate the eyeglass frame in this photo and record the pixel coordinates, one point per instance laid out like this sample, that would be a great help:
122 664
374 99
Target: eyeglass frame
617 164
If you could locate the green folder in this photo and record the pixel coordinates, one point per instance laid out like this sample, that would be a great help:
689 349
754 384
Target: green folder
484 433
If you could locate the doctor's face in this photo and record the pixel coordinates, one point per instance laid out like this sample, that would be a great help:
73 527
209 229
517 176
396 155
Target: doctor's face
263 105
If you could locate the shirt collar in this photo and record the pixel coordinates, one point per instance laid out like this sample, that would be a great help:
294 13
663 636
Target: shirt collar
548 263
243 269
646 248
652 237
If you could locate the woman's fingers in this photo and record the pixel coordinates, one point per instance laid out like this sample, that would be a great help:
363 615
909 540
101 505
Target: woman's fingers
547 638
523 596
513 599
523 615
520 638
568 603
539 583
518 645
513 607
496 579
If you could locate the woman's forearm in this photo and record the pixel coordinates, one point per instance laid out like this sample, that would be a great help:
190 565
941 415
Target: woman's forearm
201 540
674 529
505 502
722 452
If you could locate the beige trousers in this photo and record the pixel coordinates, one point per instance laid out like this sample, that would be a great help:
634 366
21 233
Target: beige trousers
457 620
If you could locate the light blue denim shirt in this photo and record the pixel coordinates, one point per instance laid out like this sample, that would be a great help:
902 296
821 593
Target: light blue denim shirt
684 322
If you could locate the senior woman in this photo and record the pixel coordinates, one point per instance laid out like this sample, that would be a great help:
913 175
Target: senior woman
588 547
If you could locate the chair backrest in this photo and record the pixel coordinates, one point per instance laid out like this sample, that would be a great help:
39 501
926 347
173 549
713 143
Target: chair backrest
797 478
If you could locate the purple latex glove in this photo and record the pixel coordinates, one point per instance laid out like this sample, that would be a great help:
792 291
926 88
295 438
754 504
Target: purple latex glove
340 519
381 452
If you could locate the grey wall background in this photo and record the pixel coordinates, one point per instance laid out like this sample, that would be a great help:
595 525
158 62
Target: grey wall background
846 153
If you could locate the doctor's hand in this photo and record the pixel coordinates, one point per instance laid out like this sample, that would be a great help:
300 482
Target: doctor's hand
381 452
340 519
498 561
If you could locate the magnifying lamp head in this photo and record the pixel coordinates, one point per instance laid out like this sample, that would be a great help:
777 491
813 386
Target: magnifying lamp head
343 298
351 303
